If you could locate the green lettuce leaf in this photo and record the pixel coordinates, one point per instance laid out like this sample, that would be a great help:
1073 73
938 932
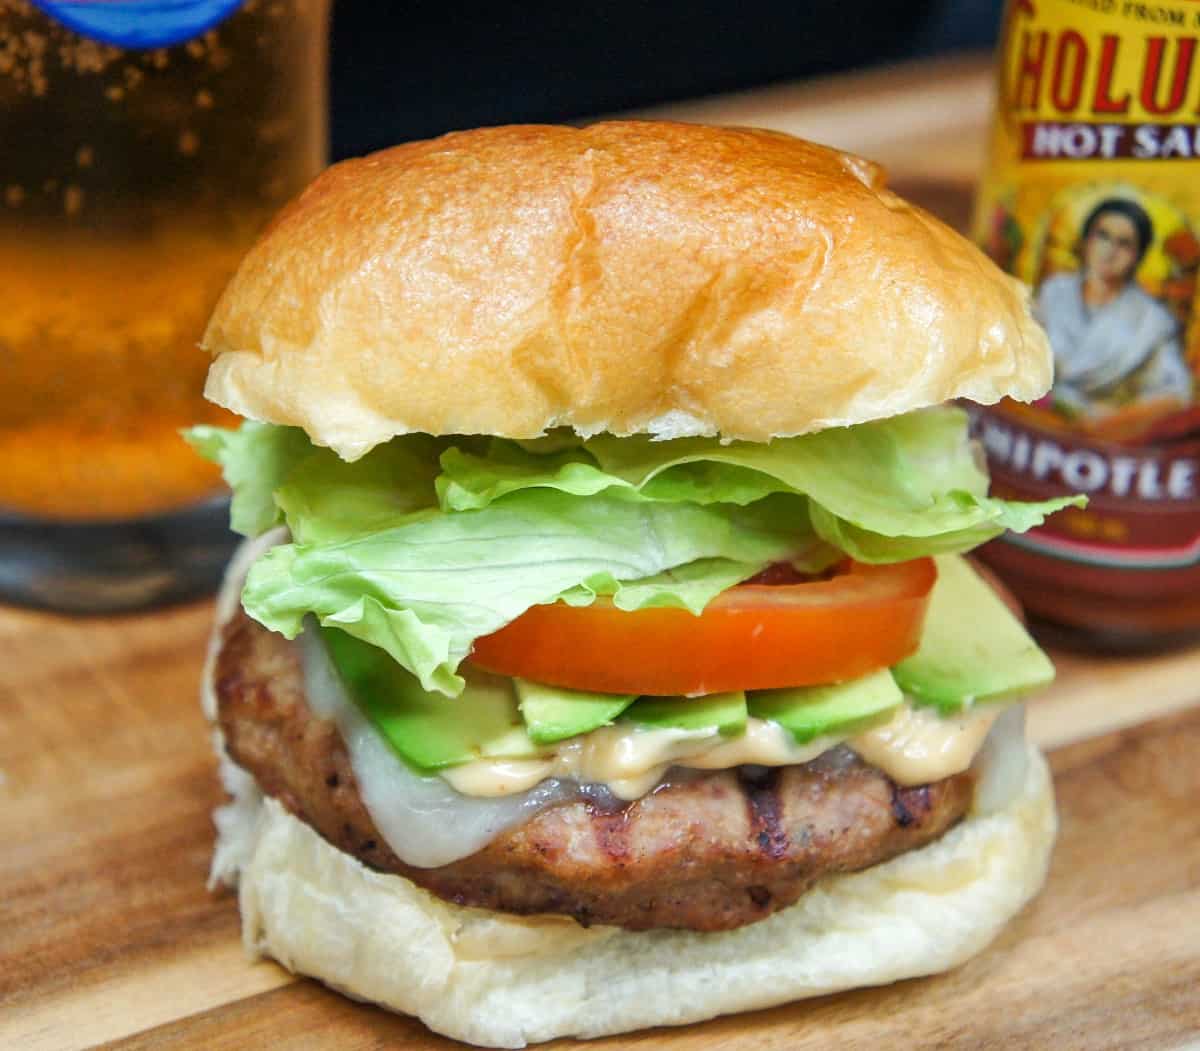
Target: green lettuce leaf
255 459
471 480
425 588
278 475
692 586
326 500
883 491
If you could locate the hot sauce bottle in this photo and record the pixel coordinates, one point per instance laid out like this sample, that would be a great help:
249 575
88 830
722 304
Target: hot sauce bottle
1092 197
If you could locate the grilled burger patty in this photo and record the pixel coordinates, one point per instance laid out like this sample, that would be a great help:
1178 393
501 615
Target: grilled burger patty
709 852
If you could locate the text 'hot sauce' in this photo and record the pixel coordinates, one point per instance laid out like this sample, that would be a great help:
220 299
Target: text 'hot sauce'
1093 198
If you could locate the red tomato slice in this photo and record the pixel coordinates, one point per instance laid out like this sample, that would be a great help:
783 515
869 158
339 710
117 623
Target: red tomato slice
751 637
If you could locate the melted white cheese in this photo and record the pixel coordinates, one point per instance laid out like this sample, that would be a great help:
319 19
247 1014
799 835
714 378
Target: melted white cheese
423 819
1002 763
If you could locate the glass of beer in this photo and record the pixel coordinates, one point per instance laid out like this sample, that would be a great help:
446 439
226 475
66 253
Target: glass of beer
144 145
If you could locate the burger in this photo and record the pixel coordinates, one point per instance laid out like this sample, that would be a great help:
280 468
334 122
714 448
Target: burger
602 654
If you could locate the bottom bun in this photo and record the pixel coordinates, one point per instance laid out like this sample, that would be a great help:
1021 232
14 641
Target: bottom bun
505 981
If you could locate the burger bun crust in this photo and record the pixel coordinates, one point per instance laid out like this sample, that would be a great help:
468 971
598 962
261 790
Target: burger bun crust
628 277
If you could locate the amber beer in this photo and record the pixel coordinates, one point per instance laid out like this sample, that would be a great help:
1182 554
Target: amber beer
1093 198
132 178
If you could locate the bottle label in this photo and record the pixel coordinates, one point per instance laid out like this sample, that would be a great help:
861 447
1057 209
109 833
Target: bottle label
1093 199
139 23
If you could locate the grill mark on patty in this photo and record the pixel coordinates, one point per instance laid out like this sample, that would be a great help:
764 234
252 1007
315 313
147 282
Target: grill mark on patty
765 810
761 896
910 805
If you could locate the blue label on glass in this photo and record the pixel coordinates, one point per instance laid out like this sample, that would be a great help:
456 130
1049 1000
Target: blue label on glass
139 23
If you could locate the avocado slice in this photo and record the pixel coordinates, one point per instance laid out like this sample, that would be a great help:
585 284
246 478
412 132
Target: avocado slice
724 712
808 712
552 713
427 730
972 648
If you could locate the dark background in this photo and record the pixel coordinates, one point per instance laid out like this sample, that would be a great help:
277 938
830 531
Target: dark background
421 67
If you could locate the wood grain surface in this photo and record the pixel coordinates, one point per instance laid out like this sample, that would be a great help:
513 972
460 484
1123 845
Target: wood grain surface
109 936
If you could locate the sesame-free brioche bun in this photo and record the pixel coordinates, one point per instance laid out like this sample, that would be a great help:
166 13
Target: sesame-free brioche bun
624 277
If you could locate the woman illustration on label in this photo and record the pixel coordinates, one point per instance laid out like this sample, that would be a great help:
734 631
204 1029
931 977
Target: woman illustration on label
1114 344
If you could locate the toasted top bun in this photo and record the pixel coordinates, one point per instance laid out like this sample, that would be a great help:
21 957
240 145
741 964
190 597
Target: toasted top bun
625 277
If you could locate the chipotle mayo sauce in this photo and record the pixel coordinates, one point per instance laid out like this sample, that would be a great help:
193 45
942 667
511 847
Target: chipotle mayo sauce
916 746
1093 198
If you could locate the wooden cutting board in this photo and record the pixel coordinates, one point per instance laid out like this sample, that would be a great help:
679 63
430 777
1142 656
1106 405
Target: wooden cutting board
108 935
